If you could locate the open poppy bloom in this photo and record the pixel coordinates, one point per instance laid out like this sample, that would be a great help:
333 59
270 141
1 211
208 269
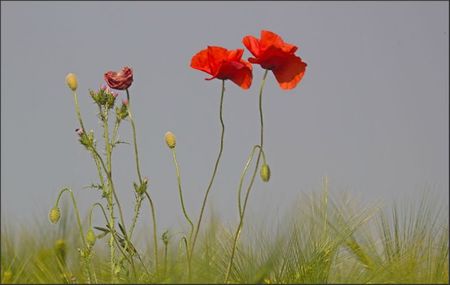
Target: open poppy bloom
224 64
272 53
119 80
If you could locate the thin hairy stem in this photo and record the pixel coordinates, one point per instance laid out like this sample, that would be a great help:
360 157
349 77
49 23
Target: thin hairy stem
133 126
241 218
80 227
244 172
177 168
104 117
188 257
214 172
155 239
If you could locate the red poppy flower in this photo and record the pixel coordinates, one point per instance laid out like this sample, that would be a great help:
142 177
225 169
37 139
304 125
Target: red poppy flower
119 80
224 64
272 53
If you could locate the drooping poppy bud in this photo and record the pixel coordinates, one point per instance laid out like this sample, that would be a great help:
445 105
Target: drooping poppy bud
171 140
265 172
54 215
90 237
72 82
7 276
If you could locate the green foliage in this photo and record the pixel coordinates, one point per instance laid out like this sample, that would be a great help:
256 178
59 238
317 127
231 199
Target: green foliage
322 240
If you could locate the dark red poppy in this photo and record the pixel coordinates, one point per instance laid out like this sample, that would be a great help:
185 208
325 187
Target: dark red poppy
119 80
272 53
224 64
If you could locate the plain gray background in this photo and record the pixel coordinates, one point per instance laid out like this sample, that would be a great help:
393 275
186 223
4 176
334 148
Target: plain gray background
371 112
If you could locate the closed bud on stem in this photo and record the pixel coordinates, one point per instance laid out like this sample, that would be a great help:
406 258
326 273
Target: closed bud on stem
7 276
165 237
54 215
90 237
265 172
171 140
72 82
79 131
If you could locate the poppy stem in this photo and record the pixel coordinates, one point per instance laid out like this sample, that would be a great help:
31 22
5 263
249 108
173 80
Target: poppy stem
244 172
241 216
214 172
155 239
177 168
133 126
80 227
138 170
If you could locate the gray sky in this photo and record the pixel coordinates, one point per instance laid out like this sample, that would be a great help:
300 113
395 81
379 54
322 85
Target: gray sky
371 111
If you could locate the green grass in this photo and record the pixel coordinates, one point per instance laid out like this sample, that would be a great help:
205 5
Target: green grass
323 239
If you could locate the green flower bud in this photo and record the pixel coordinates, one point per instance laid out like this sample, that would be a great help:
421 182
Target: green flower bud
90 237
171 140
72 82
165 237
60 249
54 215
7 277
265 172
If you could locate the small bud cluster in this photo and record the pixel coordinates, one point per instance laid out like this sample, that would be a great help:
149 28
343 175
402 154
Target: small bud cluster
140 189
104 96
122 111
86 139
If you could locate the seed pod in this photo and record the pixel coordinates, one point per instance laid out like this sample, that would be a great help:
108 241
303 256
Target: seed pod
54 215
171 140
265 172
72 82
90 237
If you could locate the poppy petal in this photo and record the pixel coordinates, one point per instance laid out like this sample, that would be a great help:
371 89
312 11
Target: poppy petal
243 76
252 44
200 61
290 72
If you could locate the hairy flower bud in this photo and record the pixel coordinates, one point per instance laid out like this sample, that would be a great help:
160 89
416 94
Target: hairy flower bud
265 172
7 276
72 82
90 237
54 215
171 140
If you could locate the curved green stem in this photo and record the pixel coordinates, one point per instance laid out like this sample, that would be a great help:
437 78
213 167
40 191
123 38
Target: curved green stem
187 256
77 213
137 207
177 168
80 227
133 126
214 172
241 220
77 110
155 239
104 117
115 132
107 221
244 172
